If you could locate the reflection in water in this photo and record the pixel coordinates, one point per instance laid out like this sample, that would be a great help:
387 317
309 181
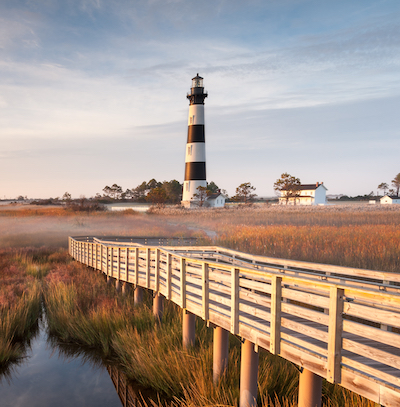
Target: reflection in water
9 370
55 373
129 393
126 393
48 377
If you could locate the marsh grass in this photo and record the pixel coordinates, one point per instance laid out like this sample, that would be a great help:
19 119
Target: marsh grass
373 247
20 308
82 310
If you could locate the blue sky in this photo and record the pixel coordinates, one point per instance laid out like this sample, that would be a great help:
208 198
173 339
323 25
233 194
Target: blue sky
93 92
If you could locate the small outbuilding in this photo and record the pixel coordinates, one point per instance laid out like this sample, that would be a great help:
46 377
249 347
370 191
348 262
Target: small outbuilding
216 200
390 199
307 194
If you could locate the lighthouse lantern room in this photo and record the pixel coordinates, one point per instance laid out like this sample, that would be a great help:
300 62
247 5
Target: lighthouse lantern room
195 161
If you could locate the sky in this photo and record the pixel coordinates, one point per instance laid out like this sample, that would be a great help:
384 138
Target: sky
93 92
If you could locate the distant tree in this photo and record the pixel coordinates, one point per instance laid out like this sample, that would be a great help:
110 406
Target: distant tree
157 196
396 183
139 193
66 197
201 195
173 190
107 191
153 184
127 193
244 193
212 187
116 191
20 198
225 193
384 187
288 186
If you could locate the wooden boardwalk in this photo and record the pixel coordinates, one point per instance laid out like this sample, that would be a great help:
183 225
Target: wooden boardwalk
340 323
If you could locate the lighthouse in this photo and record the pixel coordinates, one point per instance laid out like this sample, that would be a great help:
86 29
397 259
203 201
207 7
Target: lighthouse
195 160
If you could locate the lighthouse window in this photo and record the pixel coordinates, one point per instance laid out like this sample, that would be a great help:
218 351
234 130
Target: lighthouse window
189 150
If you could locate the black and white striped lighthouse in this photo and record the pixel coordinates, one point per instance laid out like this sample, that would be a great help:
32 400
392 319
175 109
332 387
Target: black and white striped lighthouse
195 161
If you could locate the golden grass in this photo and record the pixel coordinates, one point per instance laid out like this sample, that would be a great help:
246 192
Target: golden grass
19 307
363 246
82 309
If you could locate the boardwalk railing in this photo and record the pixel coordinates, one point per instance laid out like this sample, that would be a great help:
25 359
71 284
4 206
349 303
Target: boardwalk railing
342 324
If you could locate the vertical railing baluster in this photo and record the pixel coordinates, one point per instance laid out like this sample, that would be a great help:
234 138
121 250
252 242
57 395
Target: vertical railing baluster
168 277
127 264
136 266
335 330
206 285
275 323
235 301
119 264
183 282
157 271
148 262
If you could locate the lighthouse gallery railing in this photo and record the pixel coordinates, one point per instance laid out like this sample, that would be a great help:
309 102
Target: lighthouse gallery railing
340 323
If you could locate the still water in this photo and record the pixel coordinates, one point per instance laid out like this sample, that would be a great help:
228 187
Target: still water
53 375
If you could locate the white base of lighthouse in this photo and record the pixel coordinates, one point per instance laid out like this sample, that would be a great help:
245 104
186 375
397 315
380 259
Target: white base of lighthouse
189 190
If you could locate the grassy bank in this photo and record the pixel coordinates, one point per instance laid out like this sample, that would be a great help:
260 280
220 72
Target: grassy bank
20 303
83 310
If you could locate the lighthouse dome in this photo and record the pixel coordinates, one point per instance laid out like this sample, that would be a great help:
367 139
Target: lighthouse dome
197 82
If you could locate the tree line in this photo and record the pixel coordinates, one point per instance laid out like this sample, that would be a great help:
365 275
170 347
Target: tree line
152 191
157 192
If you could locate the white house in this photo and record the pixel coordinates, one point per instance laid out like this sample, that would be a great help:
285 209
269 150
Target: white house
216 200
390 199
308 194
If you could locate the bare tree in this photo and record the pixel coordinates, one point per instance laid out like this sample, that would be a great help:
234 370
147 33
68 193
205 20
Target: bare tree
201 195
244 193
288 186
384 187
396 183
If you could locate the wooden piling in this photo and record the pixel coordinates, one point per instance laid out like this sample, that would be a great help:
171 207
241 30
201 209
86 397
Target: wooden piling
188 329
158 306
248 375
220 352
310 389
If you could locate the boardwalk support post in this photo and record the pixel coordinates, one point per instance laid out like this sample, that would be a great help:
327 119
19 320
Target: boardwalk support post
118 285
248 375
138 295
220 352
158 306
188 329
310 389
126 287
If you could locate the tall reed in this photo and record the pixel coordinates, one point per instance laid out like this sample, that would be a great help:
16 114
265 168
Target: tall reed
20 296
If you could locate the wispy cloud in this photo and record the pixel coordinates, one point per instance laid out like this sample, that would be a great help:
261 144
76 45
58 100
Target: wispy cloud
110 77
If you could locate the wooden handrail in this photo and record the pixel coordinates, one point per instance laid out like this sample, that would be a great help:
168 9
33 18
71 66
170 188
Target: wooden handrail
342 328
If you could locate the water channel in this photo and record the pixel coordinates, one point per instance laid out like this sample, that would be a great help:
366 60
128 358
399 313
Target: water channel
55 374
